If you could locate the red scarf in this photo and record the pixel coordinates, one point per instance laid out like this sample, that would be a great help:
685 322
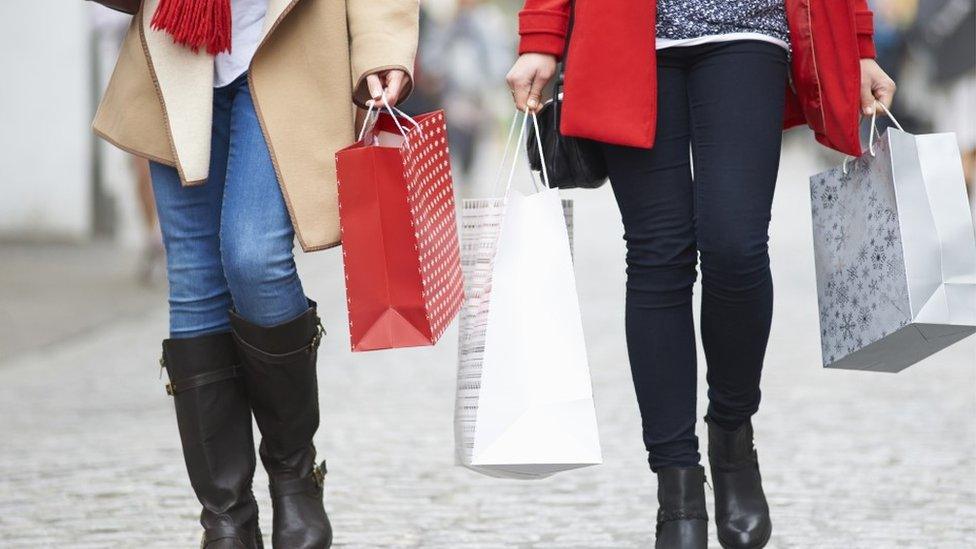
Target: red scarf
196 23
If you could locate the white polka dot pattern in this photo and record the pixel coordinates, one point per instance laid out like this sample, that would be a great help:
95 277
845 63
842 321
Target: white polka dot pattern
430 195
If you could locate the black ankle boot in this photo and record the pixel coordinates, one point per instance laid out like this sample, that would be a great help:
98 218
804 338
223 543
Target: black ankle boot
741 511
682 522
279 372
215 427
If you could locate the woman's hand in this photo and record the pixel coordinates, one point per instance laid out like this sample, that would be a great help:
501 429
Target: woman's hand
528 77
876 85
386 86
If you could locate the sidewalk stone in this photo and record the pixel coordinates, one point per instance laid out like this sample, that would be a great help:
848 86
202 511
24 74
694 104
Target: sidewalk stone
89 453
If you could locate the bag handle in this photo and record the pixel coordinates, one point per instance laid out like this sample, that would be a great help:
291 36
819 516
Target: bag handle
874 131
514 159
874 124
394 111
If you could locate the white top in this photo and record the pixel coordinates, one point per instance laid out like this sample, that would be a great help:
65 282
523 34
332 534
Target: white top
247 22
662 43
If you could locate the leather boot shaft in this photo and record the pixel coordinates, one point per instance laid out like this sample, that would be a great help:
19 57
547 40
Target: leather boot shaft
682 520
280 376
741 511
214 422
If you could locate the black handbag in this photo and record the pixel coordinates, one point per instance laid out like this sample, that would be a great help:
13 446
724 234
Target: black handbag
571 162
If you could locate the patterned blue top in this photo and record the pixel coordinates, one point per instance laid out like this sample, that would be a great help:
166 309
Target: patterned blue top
680 19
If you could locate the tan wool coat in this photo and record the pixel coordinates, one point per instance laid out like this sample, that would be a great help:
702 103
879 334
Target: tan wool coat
312 55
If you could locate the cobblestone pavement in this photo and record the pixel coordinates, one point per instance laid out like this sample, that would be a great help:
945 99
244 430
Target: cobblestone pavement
89 454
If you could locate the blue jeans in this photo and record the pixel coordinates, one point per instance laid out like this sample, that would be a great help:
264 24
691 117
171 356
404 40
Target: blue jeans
229 241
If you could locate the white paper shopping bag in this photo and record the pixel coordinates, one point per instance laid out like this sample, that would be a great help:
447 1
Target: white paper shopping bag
895 253
524 401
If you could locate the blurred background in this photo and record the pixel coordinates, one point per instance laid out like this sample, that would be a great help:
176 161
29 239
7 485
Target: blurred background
89 453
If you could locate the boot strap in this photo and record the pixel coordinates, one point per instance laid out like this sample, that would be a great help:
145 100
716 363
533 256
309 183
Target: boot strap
668 515
175 387
215 533
311 484
281 358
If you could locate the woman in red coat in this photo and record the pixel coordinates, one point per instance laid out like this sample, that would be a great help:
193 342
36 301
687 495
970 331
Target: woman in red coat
653 81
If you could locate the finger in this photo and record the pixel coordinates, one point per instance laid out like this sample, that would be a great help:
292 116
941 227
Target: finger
885 93
375 89
513 83
867 97
394 83
534 100
520 92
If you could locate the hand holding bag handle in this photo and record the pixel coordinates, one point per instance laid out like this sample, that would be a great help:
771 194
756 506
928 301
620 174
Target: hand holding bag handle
393 113
124 6
873 132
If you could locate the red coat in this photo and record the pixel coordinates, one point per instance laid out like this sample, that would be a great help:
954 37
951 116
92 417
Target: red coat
611 53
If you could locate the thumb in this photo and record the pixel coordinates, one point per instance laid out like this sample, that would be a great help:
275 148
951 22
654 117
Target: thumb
375 88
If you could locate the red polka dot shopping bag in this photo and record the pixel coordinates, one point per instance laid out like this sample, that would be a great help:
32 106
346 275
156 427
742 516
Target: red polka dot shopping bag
399 231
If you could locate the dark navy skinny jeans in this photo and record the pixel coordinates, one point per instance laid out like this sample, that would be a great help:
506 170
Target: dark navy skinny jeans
723 101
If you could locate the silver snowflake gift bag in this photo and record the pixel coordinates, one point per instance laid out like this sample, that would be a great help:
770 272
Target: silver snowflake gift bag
895 253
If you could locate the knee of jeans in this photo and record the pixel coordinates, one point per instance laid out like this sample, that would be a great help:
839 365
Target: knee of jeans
659 280
249 265
735 266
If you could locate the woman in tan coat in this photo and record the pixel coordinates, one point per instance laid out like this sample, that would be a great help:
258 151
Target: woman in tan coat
240 115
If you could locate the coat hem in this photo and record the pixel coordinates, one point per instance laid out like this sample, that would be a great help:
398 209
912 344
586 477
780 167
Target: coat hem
151 157
320 247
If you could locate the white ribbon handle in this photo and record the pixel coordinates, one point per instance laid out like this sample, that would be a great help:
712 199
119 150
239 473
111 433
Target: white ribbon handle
542 156
874 125
393 112
514 160
874 131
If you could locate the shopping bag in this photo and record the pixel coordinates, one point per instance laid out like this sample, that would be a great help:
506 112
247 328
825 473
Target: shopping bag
399 231
895 253
524 406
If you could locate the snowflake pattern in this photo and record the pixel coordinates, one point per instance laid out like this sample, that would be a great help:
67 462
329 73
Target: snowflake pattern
861 284
678 19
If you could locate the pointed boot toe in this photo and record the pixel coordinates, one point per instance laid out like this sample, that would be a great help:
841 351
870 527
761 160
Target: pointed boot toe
745 533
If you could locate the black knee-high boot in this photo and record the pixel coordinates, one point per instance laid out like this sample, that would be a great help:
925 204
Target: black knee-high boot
682 521
215 428
741 511
279 371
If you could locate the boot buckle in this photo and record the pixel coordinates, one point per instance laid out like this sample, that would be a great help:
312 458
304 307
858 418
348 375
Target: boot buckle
317 338
318 473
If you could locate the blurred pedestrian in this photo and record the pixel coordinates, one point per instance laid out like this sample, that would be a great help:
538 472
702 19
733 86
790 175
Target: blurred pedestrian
717 84
239 138
947 30
153 255
466 58
110 29
427 94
